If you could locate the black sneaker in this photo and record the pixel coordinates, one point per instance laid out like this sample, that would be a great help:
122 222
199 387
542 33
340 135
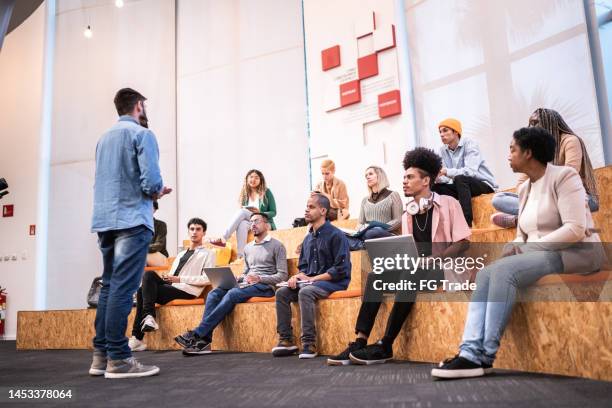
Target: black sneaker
458 367
186 339
343 359
284 348
308 351
198 347
372 354
487 368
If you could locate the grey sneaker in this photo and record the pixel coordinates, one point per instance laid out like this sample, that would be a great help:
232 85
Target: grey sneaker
128 368
98 365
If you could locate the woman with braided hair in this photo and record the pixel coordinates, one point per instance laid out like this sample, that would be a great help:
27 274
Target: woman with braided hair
570 151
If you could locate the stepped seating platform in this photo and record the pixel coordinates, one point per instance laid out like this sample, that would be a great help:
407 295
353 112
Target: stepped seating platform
572 336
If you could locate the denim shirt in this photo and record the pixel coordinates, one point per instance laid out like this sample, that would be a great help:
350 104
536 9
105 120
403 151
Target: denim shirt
327 250
466 160
127 175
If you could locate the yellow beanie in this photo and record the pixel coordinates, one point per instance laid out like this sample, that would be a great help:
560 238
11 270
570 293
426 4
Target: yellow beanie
451 124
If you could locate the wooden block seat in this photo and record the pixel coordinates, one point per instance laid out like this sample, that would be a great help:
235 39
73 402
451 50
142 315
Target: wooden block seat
566 278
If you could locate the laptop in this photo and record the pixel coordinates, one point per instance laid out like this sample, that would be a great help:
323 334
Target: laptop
389 247
221 277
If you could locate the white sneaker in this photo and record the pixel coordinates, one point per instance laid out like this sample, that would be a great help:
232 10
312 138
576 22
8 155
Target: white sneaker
149 324
136 345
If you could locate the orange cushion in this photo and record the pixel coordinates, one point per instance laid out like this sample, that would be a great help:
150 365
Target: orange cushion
157 268
556 278
340 294
257 299
185 302
344 294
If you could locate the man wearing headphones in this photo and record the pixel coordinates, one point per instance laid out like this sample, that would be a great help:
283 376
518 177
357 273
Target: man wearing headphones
439 229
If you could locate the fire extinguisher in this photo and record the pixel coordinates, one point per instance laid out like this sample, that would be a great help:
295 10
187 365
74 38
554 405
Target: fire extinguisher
2 309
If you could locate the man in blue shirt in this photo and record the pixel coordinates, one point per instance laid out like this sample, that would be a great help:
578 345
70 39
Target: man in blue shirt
464 174
126 183
325 267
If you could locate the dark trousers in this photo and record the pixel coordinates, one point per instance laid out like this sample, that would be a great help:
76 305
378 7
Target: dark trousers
123 254
153 290
463 189
404 300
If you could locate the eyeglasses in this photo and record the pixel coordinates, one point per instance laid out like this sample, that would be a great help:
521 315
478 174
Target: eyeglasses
256 222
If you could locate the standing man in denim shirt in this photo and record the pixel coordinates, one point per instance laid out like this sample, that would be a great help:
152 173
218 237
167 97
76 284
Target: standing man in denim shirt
127 181
465 174
325 267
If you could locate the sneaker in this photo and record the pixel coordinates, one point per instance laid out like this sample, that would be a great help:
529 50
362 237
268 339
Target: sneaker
308 351
372 354
220 242
98 365
504 220
343 359
458 367
186 339
128 368
284 348
149 324
136 345
198 347
487 368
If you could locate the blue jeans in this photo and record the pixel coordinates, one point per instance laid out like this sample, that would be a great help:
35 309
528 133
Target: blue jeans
505 202
124 253
221 302
508 203
356 244
492 302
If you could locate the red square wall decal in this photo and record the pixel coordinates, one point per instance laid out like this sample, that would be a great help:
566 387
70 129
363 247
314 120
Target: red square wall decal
7 210
330 57
367 66
389 104
350 93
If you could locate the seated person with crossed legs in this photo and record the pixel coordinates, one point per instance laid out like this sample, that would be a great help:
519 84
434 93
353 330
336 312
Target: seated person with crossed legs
184 281
265 265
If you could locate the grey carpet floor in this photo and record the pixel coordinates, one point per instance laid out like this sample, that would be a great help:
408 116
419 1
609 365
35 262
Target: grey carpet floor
259 380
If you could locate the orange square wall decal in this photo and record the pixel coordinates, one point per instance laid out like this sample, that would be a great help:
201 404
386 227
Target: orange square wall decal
389 104
367 66
350 93
330 57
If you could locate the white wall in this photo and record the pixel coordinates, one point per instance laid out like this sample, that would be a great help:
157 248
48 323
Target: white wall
21 73
490 64
131 47
241 105
351 145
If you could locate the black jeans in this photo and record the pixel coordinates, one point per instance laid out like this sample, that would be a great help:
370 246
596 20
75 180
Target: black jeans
372 299
463 189
153 290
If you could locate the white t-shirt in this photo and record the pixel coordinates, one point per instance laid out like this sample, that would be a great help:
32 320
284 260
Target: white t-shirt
253 203
528 220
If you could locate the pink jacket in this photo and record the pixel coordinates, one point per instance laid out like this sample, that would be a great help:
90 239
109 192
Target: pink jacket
448 224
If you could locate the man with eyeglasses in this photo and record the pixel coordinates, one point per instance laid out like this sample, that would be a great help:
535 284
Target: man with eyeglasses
265 265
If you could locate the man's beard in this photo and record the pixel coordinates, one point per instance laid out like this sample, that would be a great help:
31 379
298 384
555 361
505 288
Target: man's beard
144 121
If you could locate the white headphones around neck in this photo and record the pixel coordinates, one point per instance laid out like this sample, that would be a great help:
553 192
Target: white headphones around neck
424 204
